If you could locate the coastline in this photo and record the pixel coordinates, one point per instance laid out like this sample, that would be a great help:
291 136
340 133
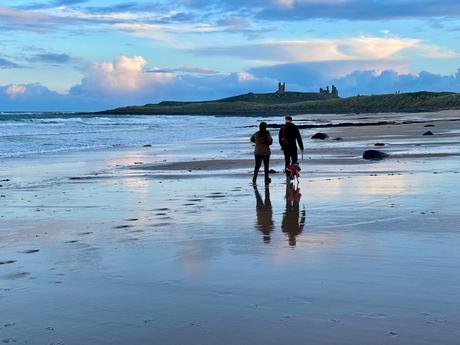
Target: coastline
277 104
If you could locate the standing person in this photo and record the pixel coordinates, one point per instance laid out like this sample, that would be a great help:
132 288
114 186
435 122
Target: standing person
289 137
263 140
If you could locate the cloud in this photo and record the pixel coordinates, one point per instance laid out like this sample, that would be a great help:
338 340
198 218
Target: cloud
369 82
125 77
291 10
361 10
51 58
15 90
185 69
312 75
6 64
308 50
128 81
17 19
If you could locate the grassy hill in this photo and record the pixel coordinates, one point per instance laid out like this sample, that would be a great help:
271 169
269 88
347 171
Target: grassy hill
300 103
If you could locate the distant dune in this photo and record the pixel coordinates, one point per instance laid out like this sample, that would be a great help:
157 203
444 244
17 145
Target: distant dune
300 103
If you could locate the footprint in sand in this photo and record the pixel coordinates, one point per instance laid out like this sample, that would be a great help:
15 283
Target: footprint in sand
30 251
7 262
132 239
122 226
160 224
216 195
18 275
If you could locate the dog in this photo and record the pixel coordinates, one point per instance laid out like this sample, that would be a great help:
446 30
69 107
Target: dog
293 172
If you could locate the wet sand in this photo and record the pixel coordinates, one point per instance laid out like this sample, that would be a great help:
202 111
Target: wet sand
130 247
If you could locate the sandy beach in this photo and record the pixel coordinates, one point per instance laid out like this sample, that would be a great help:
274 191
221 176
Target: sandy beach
169 243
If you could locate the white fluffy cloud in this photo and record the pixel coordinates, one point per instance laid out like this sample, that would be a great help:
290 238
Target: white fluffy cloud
15 90
125 76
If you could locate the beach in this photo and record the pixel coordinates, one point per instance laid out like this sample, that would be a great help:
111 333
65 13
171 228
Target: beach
161 239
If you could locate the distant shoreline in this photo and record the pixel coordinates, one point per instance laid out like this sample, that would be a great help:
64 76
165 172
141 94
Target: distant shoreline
295 103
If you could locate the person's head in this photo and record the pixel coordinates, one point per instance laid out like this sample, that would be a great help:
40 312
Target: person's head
288 119
263 127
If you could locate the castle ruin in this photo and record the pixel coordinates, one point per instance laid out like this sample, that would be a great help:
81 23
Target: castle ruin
281 89
333 91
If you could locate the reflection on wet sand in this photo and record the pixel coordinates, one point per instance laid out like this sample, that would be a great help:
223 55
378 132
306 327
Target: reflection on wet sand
293 219
264 214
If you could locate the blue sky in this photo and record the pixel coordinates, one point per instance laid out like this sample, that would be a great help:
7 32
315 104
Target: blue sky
90 55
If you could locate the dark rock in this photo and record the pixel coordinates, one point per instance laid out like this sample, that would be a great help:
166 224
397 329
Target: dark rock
338 138
379 144
428 133
273 171
428 126
147 145
320 136
374 155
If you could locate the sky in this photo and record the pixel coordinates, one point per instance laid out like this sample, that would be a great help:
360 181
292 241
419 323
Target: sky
85 55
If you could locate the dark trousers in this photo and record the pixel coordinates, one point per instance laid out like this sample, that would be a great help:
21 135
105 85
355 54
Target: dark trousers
259 159
290 155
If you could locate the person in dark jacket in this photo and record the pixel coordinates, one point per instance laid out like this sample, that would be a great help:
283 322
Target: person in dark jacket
263 140
289 137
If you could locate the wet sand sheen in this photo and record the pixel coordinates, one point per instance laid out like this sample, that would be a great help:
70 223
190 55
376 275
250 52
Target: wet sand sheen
363 253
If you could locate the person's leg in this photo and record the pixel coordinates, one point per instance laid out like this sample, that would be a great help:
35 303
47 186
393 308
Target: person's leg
266 159
294 157
287 157
258 163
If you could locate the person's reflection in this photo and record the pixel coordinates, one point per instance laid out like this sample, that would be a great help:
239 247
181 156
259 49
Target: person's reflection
293 219
264 214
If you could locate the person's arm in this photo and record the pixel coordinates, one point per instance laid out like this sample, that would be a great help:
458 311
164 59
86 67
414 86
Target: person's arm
269 139
299 139
253 138
281 137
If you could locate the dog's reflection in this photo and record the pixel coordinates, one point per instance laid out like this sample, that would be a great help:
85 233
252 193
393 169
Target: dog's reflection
264 214
293 218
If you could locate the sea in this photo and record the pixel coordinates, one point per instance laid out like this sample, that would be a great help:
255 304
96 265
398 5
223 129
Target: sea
25 134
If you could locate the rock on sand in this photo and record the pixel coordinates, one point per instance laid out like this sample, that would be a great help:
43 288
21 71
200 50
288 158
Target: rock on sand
320 136
374 155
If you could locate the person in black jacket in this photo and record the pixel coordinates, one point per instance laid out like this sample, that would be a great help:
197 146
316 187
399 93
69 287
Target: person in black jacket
289 137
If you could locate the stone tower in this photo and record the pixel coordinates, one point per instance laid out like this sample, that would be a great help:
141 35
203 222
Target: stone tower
281 89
